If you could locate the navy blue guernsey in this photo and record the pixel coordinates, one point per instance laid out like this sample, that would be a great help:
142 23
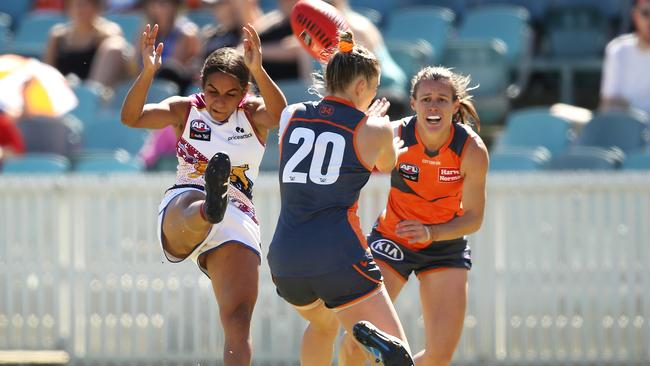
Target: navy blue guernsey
321 176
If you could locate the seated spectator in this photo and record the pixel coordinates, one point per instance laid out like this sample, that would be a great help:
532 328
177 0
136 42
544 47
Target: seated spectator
182 50
160 143
284 57
625 80
89 46
230 16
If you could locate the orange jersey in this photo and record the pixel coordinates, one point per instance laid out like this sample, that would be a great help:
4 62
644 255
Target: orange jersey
426 186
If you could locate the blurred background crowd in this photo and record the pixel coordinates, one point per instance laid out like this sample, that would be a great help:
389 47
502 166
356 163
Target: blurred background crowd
563 84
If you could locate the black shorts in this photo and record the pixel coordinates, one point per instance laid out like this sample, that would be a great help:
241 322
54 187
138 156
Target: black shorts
453 253
337 289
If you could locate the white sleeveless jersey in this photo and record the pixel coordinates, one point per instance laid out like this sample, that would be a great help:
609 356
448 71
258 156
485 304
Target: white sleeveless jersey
203 137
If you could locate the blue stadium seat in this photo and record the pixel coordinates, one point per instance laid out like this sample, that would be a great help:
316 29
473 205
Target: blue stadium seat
5 30
17 10
296 91
36 163
90 101
159 90
410 56
167 163
32 34
638 160
485 61
201 17
385 7
519 159
132 24
107 163
587 158
430 23
536 126
372 14
627 131
508 23
59 136
608 8
457 6
106 133
576 32
536 8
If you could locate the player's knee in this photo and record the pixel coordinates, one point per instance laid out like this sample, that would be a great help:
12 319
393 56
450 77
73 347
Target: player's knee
349 348
329 330
237 317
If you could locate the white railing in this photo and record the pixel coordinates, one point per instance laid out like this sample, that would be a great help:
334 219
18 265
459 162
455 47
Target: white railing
561 274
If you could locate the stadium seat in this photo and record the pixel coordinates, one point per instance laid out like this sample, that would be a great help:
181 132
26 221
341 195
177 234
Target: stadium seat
90 101
60 136
107 163
410 56
457 6
519 159
587 158
637 160
576 32
536 8
17 10
385 7
372 14
536 126
36 163
627 131
610 9
32 34
167 163
430 23
132 24
485 61
271 160
508 23
159 90
5 30
296 91
106 134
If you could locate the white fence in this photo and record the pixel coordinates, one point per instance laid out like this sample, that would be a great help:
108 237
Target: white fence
561 274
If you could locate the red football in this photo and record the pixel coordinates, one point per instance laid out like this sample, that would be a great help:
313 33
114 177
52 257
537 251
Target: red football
316 24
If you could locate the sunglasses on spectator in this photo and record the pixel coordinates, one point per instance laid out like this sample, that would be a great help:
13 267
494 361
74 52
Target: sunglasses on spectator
645 12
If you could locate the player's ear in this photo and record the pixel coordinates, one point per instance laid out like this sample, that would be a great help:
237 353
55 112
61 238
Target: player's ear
360 85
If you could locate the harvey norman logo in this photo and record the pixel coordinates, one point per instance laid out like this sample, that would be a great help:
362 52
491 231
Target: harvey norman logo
449 175
387 249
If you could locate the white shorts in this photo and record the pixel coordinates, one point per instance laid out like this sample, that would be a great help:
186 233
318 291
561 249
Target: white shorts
239 224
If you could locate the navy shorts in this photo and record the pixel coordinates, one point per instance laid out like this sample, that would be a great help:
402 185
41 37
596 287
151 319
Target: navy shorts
453 253
337 289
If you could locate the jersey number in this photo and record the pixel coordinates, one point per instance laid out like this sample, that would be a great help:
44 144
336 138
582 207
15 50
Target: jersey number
319 145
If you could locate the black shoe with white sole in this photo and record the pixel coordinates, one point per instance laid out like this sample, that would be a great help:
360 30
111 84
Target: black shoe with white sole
385 348
217 177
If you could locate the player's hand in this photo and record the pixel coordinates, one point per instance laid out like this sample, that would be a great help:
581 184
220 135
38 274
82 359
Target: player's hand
252 48
378 108
398 145
151 54
418 234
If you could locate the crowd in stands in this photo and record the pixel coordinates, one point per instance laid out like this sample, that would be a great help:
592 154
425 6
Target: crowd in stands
526 56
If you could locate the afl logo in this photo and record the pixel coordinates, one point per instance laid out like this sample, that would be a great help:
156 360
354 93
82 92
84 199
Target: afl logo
326 110
409 171
387 249
199 130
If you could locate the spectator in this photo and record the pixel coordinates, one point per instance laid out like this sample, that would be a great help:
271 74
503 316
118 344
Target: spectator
88 45
230 16
180 36
160 143
625 81
284 58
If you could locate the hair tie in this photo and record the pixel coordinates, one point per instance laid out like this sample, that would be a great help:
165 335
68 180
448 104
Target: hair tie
346 46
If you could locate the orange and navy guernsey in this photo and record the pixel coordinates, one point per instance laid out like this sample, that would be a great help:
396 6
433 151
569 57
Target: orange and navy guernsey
321 175
426 186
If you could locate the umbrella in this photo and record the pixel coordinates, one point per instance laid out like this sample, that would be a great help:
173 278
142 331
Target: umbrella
29 86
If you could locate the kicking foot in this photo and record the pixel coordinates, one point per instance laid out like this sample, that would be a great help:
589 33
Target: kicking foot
217 177
385 348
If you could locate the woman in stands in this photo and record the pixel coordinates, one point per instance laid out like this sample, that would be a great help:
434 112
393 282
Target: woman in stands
208 215
89 46
437 197
318 257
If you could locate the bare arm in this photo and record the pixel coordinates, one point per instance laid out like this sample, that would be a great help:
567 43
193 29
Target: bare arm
49 56
267 116
378 147
134 111
474 166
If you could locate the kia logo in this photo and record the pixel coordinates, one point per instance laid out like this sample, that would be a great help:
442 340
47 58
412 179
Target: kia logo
387 249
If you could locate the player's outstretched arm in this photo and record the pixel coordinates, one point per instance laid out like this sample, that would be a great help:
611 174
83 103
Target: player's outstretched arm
268 114
134 111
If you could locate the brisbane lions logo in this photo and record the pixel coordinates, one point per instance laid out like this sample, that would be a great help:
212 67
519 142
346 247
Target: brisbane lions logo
239 179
